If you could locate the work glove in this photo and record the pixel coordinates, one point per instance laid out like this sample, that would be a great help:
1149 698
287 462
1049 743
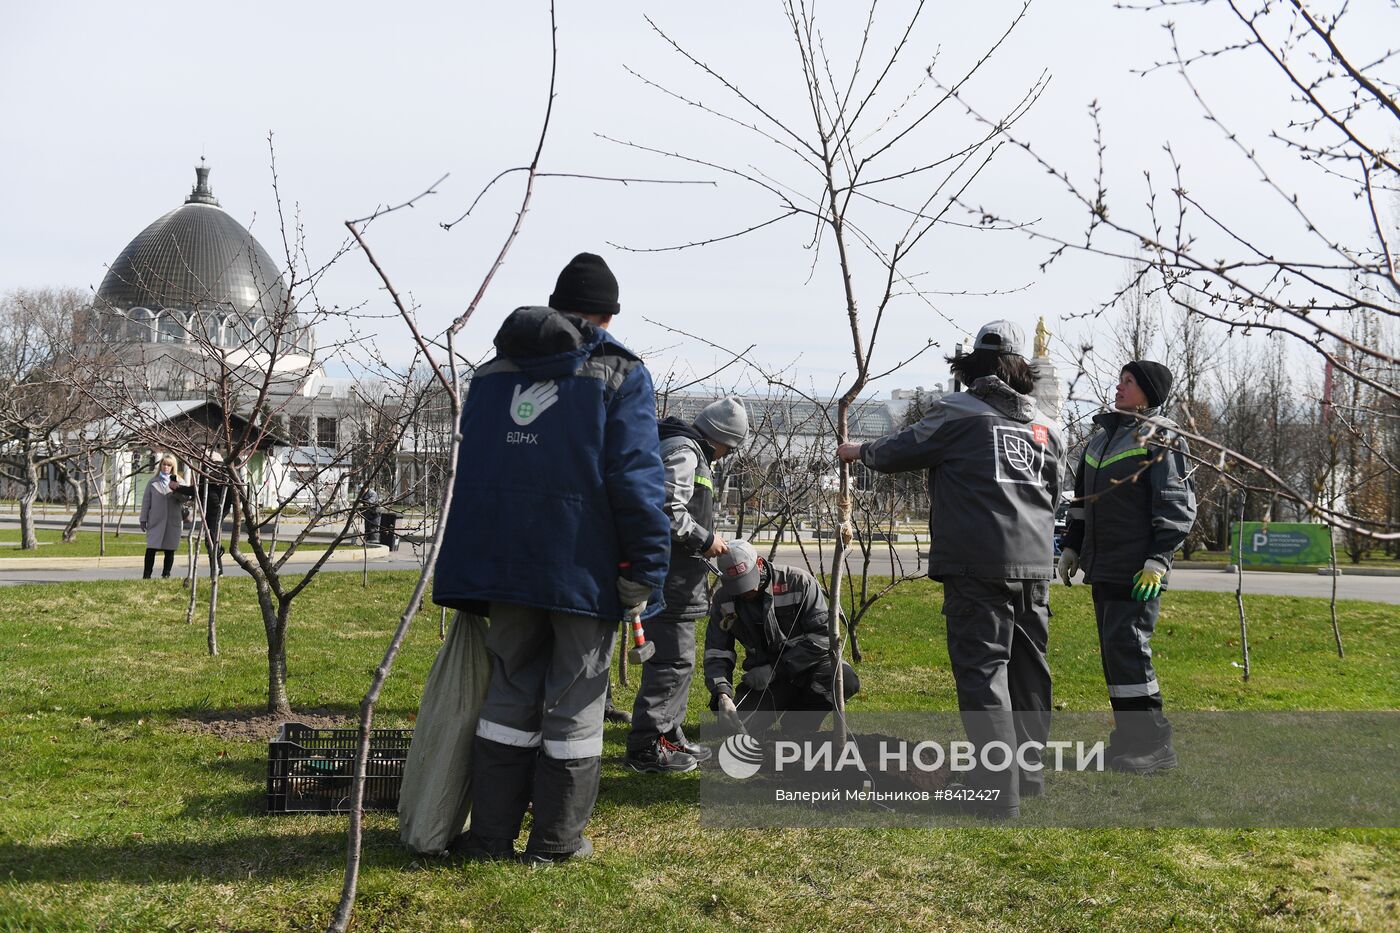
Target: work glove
143 526
1147 582
1068 565
633 596
729 714
759 677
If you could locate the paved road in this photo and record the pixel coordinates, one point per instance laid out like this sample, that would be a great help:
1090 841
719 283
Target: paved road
403 560
1374 589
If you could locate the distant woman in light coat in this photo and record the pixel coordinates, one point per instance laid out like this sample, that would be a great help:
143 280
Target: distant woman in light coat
161 514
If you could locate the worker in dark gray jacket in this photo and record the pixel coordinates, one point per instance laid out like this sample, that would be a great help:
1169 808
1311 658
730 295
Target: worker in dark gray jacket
1133 507
657 743
779 615
993 462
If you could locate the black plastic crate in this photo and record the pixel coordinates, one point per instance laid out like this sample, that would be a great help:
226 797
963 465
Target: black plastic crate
310 770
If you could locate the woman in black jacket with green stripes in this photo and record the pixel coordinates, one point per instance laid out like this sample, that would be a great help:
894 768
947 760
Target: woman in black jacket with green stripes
1133 507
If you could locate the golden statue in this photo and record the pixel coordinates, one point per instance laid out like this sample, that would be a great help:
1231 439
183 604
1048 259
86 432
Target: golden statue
1042 340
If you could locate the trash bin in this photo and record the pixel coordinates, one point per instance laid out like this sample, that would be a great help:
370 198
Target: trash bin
369 514
388 521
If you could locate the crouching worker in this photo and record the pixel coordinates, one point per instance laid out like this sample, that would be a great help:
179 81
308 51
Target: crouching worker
779 614
657 743
557 526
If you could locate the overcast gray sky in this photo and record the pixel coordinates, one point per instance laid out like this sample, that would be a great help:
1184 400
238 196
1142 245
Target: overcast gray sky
107 107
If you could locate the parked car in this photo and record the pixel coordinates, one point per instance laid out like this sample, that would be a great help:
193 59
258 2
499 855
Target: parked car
1061 525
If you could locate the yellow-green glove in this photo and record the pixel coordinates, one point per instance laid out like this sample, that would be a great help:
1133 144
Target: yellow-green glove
1147 582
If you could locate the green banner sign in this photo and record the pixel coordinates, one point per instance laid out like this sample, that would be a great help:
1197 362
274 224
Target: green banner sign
1280 543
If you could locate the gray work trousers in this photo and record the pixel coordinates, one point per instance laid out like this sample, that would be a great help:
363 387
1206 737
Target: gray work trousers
540 735
665 682
997 634
1125 636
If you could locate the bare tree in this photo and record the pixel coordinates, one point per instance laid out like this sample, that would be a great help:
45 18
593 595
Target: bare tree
248 367
1137 326
1301 276
41 409
872 171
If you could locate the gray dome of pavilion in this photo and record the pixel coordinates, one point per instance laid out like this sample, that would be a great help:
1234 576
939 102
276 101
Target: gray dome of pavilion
196 258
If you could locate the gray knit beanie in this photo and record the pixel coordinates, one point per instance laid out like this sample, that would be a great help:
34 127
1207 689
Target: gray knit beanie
724 422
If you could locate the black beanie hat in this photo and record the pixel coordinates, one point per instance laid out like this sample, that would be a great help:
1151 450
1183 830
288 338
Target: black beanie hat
586 286
1154 379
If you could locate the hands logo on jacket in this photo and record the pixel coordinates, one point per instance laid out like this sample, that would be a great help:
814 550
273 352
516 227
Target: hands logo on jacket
527 405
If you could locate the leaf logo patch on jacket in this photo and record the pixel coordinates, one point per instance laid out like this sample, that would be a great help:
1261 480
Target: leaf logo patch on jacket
1019 457
529 404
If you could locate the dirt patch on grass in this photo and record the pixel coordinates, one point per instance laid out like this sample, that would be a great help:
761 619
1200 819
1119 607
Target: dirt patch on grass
258 725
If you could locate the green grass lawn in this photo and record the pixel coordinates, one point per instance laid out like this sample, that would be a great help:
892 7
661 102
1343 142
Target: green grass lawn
131 543
111 818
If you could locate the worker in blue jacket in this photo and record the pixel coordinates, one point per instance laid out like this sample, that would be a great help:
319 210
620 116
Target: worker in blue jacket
556 531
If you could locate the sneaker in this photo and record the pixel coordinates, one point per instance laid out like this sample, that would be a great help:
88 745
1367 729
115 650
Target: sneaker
699 752
535 857
1161 758
665 757
613 714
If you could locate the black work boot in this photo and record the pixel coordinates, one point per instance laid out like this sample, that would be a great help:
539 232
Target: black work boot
1143 741
966 800
662 757
482 849
1161 758
565 791
585 850
678 738
612 713
502 776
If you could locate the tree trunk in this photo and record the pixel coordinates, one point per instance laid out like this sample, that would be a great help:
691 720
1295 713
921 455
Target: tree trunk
192 570
622 657
1336 629
838 561
212 635
275 624
1239 593
83 492
277 679
102 520
28 540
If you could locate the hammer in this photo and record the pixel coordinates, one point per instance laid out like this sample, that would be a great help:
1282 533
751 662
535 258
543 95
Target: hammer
641 649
